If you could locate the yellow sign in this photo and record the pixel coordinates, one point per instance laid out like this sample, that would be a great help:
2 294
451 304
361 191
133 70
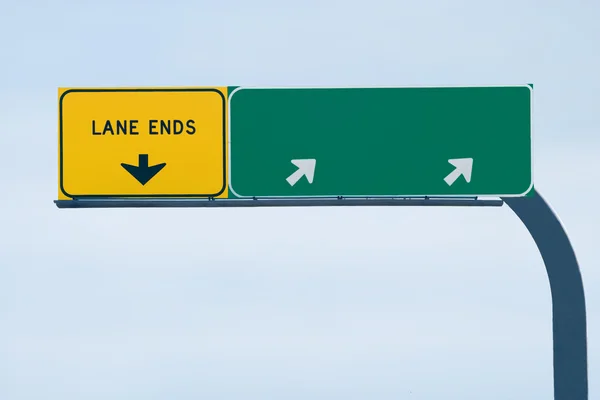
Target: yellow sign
142 142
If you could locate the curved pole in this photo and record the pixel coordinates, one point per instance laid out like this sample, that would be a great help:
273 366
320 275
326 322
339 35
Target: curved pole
568 300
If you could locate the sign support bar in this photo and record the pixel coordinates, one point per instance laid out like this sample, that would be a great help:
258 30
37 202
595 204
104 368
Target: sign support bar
192 203
568 299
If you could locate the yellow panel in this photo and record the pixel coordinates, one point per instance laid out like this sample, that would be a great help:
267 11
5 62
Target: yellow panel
106 137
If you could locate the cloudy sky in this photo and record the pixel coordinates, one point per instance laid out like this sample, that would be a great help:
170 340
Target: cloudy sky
320 303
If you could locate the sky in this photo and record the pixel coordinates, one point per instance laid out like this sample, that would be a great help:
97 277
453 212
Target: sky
321 303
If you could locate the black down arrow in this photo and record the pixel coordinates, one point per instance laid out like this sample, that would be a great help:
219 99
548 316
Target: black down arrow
142 172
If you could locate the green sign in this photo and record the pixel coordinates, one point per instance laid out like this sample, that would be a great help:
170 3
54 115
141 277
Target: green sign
370 142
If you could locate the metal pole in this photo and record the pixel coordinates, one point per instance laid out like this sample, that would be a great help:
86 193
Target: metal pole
568 300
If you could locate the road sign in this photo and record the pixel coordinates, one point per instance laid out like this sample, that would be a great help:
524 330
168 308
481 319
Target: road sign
370 142
142 142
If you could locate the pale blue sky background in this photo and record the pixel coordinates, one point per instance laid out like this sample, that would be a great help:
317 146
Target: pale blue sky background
403 303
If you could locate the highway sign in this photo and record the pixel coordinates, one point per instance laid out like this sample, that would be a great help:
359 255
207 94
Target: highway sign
142 142
370 142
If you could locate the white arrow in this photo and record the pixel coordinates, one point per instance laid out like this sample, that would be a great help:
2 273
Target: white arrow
464 166
305 167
